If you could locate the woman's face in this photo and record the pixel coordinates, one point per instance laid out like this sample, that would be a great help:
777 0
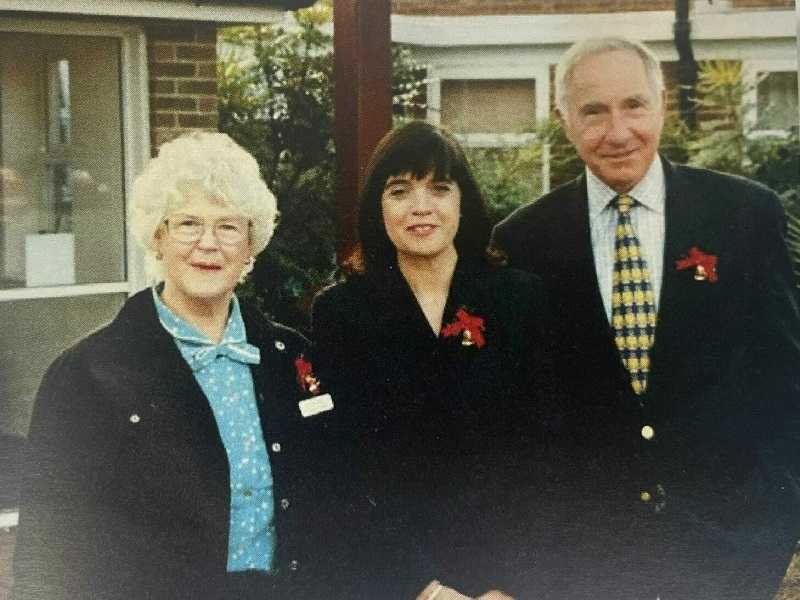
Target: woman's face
421 215
205 247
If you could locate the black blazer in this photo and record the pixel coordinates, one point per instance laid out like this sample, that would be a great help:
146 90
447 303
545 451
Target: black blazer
128 490
439 426
722 393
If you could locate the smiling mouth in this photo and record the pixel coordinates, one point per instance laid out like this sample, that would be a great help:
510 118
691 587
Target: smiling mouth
620 155
205 267
422 229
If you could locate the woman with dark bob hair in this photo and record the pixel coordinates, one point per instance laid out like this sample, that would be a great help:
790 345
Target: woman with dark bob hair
173 451
437 357
418 148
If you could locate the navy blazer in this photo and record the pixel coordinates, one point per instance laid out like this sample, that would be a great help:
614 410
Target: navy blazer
443 429
128 488
721 470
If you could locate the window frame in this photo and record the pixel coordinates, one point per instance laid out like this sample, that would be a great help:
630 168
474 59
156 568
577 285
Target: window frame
135 119
750 75
539 74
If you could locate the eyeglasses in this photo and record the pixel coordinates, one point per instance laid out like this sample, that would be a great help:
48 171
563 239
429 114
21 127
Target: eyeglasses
184 228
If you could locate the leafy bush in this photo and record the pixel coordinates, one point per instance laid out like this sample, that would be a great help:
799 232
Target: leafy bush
508 177
779 168
726 143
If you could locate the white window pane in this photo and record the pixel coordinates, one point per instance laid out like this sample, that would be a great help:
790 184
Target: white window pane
489 106
777 100
61 183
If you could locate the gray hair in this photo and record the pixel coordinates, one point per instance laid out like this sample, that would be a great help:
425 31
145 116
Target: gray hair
599 45
216 164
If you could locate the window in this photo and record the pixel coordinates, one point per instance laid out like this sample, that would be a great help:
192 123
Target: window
770 97
61 193
493 119
488 106
776 100
73 129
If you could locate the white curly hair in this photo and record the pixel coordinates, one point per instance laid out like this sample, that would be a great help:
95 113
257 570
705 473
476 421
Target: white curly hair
222 169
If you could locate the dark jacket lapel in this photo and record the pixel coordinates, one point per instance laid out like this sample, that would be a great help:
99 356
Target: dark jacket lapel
400 326
166 378
258 334
575 242
155 354
685 223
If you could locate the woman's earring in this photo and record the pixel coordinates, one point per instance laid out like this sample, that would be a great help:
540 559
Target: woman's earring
250 261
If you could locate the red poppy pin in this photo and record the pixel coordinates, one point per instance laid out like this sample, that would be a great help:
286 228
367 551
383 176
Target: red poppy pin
469 326
705 265
305 375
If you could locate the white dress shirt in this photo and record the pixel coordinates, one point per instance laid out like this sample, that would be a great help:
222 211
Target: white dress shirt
647 218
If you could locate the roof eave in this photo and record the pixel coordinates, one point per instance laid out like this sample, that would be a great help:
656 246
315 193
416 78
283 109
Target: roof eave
220 11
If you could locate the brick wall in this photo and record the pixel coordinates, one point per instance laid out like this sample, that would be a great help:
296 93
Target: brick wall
519 7
763 4
183 79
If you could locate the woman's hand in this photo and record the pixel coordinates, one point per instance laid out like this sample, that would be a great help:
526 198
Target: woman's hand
438 591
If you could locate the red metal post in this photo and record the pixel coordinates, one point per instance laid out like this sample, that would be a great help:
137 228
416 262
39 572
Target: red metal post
363 105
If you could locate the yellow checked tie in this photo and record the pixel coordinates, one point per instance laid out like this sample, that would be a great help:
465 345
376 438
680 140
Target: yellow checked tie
633 309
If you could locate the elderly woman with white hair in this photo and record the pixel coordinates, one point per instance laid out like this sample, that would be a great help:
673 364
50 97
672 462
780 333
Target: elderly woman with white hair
173 450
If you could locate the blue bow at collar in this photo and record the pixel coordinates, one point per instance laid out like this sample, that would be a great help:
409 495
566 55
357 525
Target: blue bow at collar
241 352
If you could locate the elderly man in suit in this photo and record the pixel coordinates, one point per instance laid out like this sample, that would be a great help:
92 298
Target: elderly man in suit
678 351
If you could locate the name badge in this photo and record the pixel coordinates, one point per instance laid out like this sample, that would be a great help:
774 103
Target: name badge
317 404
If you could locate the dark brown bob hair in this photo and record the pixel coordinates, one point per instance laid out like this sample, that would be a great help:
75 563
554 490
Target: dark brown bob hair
420 148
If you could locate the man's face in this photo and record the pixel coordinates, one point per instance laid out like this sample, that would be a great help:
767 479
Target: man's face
614 119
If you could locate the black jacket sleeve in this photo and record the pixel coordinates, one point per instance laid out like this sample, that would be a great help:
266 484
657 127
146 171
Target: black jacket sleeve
72 543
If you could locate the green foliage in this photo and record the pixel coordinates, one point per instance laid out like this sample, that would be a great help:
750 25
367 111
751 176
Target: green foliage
408 85
776 163
280 107
508 177
793 236
726 143
565 164
676 139
276 99
780 170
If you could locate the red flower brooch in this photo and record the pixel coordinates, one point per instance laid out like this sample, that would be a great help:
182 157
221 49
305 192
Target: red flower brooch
705 265
305 375
470 327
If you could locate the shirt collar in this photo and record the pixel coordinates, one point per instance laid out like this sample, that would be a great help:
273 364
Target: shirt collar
185 332
199 350
649 192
